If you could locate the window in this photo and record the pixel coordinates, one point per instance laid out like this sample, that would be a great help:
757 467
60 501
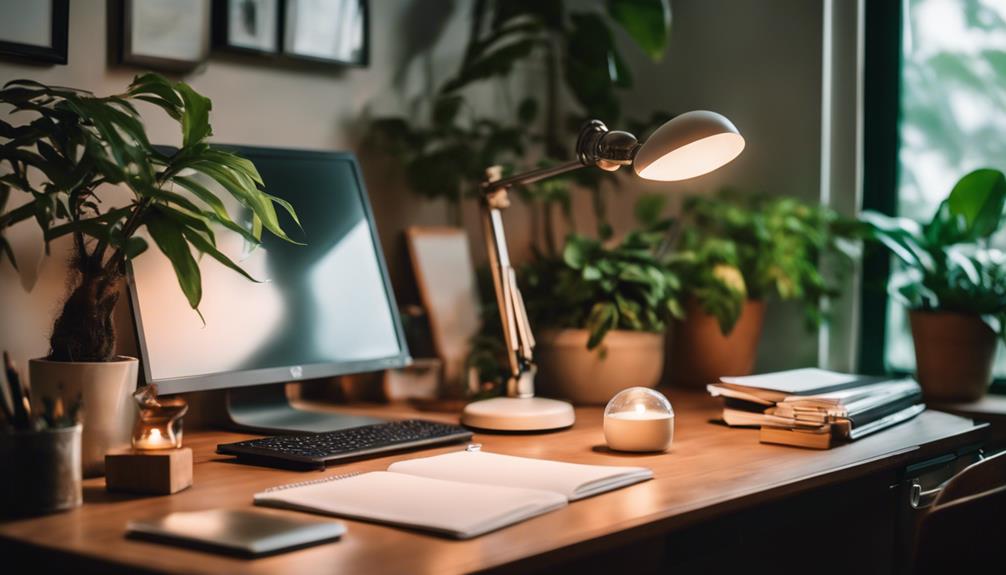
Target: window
939 111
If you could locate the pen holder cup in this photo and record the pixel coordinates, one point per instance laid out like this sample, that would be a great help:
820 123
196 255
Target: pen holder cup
40 471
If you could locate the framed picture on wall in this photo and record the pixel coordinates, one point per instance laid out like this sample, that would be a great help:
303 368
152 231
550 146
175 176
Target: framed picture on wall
327 30
36 30
247 25
171 35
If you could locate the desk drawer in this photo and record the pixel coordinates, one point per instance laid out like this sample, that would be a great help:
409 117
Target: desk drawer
918 486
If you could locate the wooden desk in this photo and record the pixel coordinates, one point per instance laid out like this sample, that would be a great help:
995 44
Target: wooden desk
710 472
989 409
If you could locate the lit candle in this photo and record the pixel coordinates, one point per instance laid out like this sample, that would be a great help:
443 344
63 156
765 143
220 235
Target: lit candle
153 439
159 423
641 420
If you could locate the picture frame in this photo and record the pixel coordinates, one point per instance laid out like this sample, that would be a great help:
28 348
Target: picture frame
333 31
442 265
248 26
39 30
172 36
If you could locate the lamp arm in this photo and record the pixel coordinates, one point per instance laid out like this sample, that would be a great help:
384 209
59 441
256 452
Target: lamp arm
532 176
596 146
517 337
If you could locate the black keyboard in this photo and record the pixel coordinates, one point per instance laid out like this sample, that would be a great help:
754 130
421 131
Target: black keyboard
320 449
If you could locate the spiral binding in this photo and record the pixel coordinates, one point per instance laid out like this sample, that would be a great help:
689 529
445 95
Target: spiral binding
313 482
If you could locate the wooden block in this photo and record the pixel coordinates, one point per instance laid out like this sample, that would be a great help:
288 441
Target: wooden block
155 472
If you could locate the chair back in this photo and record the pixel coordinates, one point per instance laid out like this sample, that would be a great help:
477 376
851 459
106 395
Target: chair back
962 531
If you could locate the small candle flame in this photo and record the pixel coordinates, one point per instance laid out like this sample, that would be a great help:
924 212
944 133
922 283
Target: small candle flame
154 439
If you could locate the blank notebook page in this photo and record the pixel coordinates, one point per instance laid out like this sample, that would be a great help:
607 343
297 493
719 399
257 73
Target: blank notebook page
458 509
573 480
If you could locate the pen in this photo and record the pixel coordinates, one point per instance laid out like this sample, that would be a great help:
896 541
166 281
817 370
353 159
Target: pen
19 396
5 402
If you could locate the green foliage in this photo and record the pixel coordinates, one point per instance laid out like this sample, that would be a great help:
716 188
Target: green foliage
946 264
602 288
445 151
76 142
647 22
736 246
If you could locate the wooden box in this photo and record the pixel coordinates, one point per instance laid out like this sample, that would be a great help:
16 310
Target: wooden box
154 472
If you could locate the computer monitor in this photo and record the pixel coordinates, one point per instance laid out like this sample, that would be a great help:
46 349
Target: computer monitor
322 309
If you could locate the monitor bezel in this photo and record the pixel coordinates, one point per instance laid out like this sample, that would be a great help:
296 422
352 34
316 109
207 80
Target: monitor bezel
291 373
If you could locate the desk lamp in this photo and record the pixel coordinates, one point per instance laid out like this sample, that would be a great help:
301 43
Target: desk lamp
688 145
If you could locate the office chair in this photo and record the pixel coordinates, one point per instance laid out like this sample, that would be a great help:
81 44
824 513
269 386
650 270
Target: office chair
963 528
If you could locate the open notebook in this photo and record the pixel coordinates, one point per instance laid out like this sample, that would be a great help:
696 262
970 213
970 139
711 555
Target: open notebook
460 494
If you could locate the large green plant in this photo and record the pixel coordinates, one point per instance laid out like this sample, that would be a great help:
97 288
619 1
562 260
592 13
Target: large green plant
600 288
73 143
737 246
947 264
446 145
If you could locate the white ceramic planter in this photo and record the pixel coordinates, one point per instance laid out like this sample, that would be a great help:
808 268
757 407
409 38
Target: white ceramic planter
109 410
567 369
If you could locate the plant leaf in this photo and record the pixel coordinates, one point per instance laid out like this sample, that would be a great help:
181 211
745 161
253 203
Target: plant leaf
168 236
135 246
201 244
979 198
196 115
648 23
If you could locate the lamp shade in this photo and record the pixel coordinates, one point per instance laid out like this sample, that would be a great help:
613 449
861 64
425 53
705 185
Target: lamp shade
687 146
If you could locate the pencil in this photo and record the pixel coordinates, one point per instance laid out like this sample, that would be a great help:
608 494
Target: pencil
5 401
22 409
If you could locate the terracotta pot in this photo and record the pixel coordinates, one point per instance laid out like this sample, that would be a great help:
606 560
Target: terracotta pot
954 353
107 392
567 369
699 352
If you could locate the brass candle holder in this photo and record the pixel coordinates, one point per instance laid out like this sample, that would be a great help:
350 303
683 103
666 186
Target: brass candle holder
157 463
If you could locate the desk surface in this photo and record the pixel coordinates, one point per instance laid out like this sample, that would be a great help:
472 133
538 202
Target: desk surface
990 408
710 470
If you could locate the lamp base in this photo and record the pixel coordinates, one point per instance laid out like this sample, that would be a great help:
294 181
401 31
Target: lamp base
518 414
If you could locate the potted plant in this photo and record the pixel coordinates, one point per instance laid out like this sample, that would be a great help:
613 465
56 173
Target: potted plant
72 146
601 311
953 284
735 252
571 50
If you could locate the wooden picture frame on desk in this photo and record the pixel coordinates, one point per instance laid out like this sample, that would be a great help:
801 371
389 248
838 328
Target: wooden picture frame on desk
445 276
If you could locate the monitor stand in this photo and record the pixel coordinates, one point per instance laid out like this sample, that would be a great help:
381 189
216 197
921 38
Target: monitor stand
266 409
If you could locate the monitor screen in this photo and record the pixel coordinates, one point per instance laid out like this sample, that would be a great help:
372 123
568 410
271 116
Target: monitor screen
320 309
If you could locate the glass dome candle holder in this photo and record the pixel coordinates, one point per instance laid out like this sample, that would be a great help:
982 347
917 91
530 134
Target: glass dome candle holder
639 419
159 425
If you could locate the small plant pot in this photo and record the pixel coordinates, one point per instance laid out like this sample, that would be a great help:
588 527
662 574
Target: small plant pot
699 352
567 369
954 355
107 392
40 471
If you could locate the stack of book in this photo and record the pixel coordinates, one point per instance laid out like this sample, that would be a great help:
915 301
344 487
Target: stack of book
816 408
